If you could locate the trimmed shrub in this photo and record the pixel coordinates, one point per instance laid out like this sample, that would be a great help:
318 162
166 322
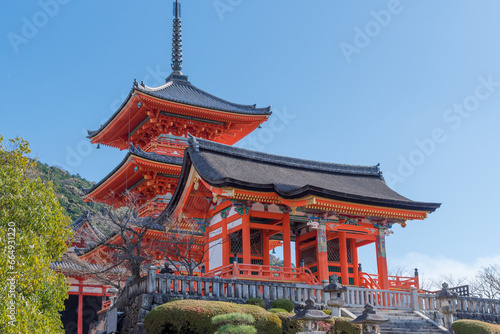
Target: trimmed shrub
195 317
344 325
283 303
234 323
289 326
327 312
277 310
236 329
474 327
256 302
233 318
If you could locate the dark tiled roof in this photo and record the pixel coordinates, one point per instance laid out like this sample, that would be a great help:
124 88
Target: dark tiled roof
226 166
140 153
179 89
82 219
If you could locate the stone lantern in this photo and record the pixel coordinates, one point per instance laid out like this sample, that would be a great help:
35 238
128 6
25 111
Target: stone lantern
370 320
336 291
448 307
113 295
310 317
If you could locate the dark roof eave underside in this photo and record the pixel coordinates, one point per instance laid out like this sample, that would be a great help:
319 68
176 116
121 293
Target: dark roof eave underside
315 191
140 154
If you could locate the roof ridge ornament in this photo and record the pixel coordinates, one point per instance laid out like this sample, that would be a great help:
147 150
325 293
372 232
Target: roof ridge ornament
177 40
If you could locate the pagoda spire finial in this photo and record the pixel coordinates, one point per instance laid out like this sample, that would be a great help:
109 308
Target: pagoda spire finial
177 39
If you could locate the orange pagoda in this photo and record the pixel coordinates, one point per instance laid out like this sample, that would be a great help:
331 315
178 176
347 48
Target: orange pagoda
154 123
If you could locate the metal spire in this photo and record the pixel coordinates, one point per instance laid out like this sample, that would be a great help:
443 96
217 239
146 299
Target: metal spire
177 39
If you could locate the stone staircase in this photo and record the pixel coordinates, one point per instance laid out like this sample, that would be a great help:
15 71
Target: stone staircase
403 322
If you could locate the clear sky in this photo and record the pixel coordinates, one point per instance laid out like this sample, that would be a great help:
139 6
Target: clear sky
412 85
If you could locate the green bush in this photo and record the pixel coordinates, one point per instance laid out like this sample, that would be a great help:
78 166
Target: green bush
327 312
233 318
277 310
257 302
344 325
234 323
283 303
195 317
236 329
288 325
474 327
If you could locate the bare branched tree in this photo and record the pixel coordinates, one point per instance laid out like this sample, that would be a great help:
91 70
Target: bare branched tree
128 252
487 282
186 245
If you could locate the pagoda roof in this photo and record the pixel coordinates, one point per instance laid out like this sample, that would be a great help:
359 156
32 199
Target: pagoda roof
224 166
179 90
136 151
80 221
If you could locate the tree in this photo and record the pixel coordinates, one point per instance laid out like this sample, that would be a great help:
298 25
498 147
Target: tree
33 232
186 245
487 282
128 251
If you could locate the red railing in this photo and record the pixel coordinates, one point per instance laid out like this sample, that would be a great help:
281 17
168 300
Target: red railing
165 146
264 273
371 281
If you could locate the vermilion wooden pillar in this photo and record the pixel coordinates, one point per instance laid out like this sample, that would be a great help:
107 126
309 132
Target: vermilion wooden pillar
382 260
322 255
247 256
226 244
344 267
265 248
287 242
80 308
355 261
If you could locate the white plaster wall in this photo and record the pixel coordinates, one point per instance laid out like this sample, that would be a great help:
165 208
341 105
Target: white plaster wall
215 254
235 223
214 233
215 219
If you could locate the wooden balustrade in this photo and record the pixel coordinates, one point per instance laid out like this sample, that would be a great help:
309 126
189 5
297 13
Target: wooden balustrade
371 281
255 272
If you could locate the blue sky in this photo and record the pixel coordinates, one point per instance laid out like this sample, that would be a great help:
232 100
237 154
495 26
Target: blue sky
412 85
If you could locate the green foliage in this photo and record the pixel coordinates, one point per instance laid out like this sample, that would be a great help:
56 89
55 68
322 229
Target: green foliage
283 303
69 189
234 323
277 310
474 327
288 325
344 325
33 231
236 329
257 302
327 312
233 318
195 316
